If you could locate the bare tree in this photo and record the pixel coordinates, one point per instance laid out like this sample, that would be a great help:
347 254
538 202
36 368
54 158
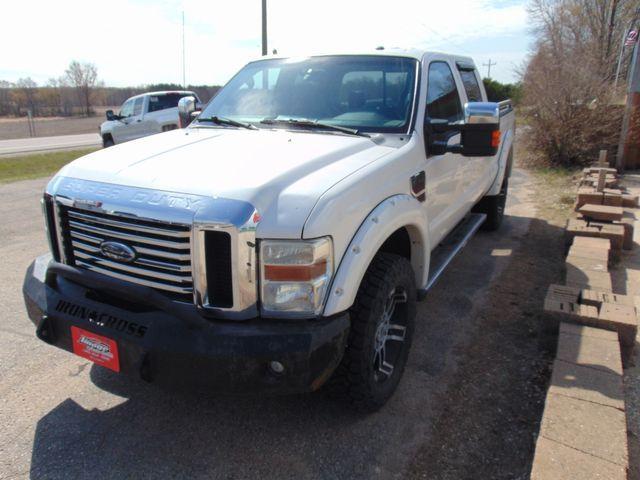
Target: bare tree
27 91
83 77
568 91
5 97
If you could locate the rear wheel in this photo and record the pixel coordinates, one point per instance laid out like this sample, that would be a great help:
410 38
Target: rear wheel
382 322
493 206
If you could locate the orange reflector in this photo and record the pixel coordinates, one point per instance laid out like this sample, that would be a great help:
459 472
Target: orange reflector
495 138
294 273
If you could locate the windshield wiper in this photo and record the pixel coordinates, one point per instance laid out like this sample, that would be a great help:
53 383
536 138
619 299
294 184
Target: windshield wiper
227 121
312 124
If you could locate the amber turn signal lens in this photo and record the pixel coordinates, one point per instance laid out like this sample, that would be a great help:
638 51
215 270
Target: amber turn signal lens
495 138
294 273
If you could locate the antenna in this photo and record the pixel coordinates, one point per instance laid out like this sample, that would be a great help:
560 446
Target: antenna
184 81
489 65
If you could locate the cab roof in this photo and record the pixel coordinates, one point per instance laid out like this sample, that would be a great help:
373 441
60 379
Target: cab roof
164 92
416 53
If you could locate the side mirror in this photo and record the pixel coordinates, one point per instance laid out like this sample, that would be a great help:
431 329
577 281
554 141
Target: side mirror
480 132
110 115
481 129
186 110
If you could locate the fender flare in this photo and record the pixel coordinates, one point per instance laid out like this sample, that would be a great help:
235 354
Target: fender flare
390 215
504 165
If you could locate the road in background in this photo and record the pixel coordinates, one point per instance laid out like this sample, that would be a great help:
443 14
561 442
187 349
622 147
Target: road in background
63 417
21 146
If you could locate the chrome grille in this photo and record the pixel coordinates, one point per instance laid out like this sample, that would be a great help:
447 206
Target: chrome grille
163 250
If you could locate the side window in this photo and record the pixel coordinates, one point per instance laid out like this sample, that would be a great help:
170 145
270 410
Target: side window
137 106
443 101
162 102
127 108
471 87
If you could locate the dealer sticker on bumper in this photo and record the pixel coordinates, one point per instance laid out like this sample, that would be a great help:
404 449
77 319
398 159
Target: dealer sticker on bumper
94 347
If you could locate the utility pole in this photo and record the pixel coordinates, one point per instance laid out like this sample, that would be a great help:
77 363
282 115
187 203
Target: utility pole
184 75
622 42
264 27
489 65
629 147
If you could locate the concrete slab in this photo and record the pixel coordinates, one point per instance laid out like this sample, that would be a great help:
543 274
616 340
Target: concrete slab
591 428
591 242
590 279
629 200
581 228
555 461
602 212
591 347
612 199
583 263
586 383
621 318
589 195
589 253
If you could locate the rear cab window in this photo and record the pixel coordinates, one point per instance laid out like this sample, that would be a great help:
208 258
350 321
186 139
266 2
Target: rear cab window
469 77
166 100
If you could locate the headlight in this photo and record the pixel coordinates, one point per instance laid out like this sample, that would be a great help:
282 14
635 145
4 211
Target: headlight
295 276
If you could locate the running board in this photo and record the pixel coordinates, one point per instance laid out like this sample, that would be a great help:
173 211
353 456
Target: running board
450 246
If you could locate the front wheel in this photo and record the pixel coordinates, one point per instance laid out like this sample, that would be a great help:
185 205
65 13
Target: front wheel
382 322
107 141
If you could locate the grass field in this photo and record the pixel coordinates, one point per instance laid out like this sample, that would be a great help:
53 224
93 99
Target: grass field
11 127
36 165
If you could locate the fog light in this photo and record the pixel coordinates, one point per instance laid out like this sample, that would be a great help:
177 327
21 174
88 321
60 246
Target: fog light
276 367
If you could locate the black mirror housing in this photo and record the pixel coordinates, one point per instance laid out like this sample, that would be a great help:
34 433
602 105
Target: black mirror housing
479 134
480 140
481 129
110 115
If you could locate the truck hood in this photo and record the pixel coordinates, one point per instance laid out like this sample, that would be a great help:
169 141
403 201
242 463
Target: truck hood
282 173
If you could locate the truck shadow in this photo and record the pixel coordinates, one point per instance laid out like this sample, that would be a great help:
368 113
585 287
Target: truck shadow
149 432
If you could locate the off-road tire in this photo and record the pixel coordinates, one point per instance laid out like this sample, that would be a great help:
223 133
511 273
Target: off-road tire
493 206
107 141
357 380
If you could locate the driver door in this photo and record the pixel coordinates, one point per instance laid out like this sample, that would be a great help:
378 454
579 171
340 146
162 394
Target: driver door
119 132
444 173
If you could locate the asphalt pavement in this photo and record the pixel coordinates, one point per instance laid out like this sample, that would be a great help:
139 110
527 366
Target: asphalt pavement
21 146
63 417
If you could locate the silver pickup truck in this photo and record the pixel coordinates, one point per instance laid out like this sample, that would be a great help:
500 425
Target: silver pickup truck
143 115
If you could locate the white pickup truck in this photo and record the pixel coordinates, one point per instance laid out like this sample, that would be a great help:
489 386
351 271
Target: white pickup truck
143 115
282 240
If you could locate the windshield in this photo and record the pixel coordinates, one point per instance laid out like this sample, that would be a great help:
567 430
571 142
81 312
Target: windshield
367 93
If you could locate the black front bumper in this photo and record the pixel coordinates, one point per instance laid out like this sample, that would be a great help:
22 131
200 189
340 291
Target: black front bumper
172 344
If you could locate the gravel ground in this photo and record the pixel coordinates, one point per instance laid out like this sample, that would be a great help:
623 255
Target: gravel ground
467 407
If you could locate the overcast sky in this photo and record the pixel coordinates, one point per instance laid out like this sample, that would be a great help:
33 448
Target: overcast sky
135 42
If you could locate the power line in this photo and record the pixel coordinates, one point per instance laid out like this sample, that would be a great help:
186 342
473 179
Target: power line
489 65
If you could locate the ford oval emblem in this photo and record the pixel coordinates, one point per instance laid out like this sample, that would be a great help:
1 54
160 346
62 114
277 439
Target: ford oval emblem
118 251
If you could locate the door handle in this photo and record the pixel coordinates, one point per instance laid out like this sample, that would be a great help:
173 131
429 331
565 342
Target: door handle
138 120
